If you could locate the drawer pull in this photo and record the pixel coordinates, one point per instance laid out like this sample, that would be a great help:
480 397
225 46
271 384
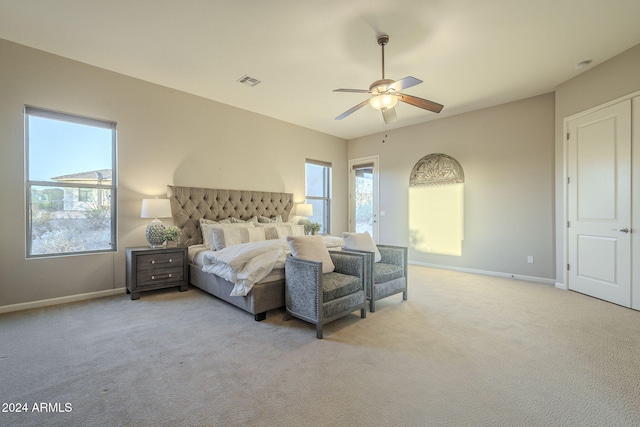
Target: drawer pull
153 261
166 276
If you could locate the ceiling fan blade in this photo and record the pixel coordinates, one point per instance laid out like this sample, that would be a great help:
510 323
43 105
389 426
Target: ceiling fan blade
352 109
352 90
421 103
389 115
404 83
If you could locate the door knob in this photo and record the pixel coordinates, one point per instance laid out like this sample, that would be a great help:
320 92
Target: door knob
623 230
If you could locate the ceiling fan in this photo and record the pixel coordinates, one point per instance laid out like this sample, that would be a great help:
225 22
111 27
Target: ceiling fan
385 93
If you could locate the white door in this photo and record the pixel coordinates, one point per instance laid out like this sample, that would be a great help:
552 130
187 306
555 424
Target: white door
363 196
599 204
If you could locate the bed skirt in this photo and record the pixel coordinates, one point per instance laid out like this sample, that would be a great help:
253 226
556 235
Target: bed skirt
262 298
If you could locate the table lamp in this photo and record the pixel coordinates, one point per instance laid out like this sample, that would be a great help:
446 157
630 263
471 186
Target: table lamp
305 210
155 208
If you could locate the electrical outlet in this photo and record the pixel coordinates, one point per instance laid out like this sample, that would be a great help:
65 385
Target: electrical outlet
530 259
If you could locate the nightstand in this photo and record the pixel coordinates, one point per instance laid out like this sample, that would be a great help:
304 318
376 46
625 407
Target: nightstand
156 268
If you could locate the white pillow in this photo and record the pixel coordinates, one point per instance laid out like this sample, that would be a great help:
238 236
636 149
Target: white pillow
311 248
293 219
230 236
361 242
207 239
207 231
284 230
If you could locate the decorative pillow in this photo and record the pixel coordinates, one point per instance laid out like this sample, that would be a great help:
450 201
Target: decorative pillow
210 221
206 237
230 236
311 248
265 220
361 242
283 230
207 231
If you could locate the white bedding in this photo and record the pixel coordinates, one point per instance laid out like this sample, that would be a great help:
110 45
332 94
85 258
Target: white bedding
248 263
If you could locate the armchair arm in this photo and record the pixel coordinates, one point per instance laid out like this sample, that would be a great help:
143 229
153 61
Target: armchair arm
396 255
303 281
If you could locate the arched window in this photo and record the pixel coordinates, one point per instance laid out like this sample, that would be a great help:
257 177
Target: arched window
436 205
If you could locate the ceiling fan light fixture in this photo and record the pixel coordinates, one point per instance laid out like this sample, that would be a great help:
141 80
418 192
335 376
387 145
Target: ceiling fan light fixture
384 101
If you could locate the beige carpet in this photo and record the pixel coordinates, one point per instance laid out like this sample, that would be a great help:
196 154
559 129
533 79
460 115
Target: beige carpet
464 350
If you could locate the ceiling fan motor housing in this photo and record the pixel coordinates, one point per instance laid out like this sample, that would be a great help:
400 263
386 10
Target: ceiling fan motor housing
380 86
383 39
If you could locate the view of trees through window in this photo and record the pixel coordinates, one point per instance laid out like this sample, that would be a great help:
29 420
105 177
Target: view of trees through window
70 185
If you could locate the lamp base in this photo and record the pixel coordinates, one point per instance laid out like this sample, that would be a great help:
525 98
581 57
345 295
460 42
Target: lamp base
155 233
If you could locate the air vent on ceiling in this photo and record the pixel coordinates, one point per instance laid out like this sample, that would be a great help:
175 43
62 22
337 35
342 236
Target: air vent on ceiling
249 81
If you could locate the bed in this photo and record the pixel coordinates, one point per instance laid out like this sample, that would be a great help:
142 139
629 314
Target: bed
189 205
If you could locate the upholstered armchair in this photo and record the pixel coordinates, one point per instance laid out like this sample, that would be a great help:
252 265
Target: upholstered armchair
320 298
385 265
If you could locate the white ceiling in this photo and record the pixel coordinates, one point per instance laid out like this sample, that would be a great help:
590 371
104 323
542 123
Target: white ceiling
470 54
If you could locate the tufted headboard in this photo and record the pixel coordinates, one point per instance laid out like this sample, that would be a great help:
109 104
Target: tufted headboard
189 204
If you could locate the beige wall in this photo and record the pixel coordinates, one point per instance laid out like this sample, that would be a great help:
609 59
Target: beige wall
164 137
609 81
507 156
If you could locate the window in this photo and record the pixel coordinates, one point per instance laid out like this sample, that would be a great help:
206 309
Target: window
318 192
70 184
436 205
85 194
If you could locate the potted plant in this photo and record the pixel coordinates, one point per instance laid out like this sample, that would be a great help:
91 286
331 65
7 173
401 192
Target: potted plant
314 227
171 235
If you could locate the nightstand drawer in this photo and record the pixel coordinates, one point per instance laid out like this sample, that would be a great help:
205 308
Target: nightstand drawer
159 260
164 275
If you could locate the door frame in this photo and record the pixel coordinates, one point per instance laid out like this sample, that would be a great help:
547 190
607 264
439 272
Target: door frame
375 160
593 230
562 255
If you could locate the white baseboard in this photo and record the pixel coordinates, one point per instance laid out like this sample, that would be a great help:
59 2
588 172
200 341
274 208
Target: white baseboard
488 273
60 300
561 286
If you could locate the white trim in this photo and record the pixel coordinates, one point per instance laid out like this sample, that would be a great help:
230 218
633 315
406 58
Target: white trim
561 286
60 300
376 192
562 239
488 273
601 106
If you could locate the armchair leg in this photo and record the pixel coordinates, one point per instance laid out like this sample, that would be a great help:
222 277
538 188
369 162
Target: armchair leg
372 305
286 316
404 295
363 313
319 331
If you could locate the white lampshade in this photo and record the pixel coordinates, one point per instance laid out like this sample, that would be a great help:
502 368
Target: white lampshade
304 209
381 102
155 208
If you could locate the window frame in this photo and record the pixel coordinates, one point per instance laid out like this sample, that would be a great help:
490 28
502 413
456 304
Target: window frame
30 111
326 184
